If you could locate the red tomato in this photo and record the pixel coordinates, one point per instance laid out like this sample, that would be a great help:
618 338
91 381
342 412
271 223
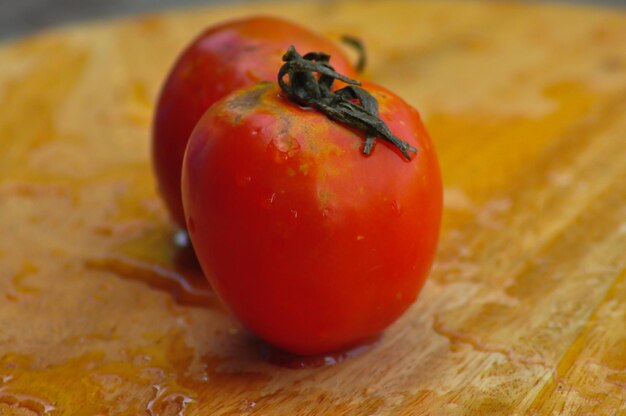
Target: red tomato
314 246
222 59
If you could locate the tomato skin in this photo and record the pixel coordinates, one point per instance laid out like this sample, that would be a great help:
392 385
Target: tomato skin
314 246
220 60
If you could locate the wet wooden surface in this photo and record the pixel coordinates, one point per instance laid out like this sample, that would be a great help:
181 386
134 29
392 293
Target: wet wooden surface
101 312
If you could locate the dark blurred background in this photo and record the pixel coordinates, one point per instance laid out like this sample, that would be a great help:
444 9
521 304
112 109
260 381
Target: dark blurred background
20 17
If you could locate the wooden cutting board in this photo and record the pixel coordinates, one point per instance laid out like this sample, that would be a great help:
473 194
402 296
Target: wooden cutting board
101 312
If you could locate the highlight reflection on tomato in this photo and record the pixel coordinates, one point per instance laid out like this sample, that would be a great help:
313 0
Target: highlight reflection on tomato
313 245
222 59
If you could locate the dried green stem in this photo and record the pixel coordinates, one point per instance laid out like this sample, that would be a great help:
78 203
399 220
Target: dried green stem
351 105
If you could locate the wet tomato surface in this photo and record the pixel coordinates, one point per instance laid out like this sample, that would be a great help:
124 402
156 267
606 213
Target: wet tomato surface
313 245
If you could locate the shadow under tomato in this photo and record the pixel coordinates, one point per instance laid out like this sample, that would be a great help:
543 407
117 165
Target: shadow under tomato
285 359
162 260
165 260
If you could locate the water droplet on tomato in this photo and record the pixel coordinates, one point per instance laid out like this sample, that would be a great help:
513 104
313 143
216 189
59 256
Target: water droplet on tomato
396 208
282 148
243 180
267 202
294 213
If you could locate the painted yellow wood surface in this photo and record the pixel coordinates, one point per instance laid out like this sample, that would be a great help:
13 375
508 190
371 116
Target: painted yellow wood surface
525 309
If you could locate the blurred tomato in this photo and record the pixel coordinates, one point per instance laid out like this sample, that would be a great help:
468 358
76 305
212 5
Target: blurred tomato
220 60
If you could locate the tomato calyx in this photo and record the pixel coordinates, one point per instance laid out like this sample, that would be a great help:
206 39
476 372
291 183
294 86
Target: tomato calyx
305 89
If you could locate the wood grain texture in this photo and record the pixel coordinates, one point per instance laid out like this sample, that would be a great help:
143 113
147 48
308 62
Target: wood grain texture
525 309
